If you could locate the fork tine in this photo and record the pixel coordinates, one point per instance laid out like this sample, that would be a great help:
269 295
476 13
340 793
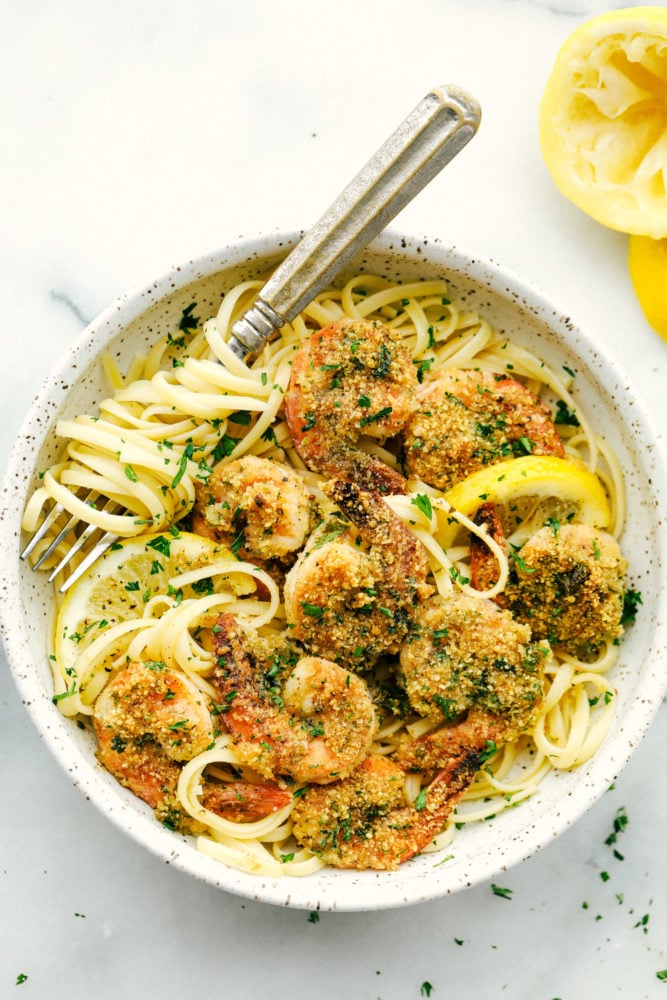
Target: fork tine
101 546
111 506
73 549
50 518
63 533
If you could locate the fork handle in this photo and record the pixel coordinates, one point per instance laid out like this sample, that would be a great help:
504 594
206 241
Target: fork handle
431 135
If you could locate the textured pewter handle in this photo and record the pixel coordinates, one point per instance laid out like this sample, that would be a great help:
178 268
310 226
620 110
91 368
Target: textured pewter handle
432 135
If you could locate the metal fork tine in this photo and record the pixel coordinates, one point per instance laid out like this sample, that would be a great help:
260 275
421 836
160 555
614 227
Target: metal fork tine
63 533
101 546
72 551
88 532
52 516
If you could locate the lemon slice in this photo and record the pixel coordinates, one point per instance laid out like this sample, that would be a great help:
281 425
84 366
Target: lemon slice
118 586
647 263
602 119
536 476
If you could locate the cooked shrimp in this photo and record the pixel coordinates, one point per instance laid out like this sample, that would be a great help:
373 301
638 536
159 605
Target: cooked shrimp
260 508
483 564
475 734
299 717
466 419
352 592
568 584
366 821
148 721
353 378
467 655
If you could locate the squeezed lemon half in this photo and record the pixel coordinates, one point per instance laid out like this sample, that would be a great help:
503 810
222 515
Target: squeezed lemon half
603 120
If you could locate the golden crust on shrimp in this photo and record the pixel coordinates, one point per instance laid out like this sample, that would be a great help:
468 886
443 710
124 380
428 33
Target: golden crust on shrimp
351 594
350 379
464 420
466 653
260 507
149 720
569 585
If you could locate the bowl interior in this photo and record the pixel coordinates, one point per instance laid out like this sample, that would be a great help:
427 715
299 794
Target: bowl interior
130 327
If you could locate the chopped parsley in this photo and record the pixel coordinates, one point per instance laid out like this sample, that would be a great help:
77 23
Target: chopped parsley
422 503
620 823
631 602
375 418
161 544
420 801
314 610
499 891
488 751
187 320
242 417
564 415
188 452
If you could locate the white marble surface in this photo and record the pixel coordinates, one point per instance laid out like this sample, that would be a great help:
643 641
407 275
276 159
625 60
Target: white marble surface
134 135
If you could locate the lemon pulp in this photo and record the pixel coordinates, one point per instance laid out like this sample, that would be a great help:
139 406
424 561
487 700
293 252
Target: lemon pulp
603 120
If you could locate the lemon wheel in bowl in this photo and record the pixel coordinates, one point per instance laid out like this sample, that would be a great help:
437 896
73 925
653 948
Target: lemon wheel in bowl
118 585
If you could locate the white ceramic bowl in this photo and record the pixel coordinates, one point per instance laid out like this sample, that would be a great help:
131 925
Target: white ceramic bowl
136 321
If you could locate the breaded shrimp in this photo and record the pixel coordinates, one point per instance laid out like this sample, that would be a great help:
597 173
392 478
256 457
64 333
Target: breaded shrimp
568 584
352 592
464 420
304 718
259 507
353 378
465 654
366 821
149 720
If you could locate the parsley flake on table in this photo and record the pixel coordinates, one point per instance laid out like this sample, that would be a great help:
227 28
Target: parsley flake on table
426 989
21 978
503 893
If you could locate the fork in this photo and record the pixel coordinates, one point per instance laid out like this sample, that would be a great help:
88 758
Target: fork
433 133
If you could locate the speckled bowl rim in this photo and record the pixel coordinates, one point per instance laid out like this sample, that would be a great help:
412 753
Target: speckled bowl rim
329 890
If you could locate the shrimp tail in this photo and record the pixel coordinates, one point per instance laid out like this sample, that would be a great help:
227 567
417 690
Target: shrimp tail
232 677
243 802
403 555
446 747
440 799
484 570
371 473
